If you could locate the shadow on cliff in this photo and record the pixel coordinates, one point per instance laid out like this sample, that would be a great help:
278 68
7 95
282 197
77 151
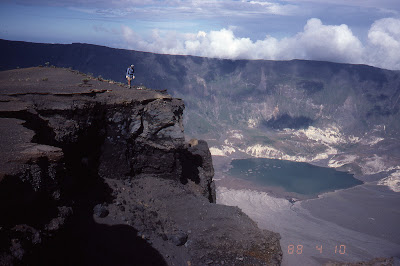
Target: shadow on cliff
190 163
80 241
84 242
74 238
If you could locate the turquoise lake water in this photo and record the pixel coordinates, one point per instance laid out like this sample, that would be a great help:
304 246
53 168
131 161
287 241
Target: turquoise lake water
302 178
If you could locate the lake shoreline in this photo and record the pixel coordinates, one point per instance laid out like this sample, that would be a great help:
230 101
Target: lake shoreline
222 177
362 217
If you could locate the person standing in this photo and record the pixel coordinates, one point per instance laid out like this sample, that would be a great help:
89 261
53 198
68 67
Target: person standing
130 74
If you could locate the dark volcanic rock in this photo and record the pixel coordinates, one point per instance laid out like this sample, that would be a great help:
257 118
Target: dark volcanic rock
286 121
187 227
100 211
178 238
66 136
373 262
197 167
56 223
222 95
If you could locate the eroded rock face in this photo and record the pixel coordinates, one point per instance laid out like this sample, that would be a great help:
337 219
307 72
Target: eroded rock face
198 170
183 232
59 148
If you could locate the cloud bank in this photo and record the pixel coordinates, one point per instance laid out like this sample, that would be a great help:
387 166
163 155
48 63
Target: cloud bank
168 7
317 41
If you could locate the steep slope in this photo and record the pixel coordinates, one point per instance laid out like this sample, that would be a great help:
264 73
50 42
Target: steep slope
93 173
335 115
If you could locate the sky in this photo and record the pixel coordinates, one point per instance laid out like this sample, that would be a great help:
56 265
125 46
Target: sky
345 31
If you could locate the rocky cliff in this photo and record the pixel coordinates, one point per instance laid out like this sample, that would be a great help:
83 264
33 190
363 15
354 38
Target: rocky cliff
335 115
93 173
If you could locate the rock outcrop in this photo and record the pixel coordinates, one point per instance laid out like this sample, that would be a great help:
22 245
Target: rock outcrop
93 172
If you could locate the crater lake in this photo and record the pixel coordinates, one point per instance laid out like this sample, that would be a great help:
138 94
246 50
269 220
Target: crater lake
297 177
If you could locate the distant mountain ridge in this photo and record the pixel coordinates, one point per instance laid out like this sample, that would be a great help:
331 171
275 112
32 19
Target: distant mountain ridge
112 62
297 110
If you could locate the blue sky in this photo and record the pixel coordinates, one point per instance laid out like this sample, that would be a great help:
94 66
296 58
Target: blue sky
350 31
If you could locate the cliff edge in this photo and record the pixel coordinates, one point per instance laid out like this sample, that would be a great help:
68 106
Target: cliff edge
92 173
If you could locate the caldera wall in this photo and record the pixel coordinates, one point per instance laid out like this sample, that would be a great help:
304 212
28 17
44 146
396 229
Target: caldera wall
71 146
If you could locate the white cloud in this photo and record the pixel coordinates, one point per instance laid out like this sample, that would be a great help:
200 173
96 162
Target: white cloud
86 3
324 42
171 8
273 8
317 41
378 4
384 43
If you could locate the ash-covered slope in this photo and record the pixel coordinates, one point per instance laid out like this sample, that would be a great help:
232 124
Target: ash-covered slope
335 115
274 94
260 94
93 173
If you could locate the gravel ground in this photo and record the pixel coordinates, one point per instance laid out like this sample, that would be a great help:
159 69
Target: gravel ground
186 229
337 219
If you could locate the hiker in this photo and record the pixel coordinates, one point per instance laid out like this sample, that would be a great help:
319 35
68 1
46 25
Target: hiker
130 75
